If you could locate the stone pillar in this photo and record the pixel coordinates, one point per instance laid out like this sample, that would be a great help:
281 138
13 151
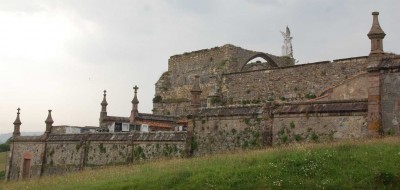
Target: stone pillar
195 95
134 111
49 123
376 36
103 112
17 124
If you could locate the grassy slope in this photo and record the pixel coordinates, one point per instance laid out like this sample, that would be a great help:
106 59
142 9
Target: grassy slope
3 158
347 165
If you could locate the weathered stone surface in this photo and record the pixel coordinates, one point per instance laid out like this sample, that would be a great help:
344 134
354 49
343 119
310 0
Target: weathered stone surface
390 98
174 85
224 133
24 150
317 127
72 152
292 83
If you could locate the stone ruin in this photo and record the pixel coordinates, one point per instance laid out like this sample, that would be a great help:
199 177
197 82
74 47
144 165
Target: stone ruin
227 102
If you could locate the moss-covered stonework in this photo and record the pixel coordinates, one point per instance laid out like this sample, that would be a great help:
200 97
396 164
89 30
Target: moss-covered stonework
142 151
101 153
212 135
62 153
318 127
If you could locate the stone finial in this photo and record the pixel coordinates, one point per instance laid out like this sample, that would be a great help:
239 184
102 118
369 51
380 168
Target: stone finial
103 112
135 99
17 124
134 111
376 35
104 102
49 122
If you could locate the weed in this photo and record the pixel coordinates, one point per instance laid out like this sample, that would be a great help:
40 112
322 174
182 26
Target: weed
314 137
292 125
157 99
310 96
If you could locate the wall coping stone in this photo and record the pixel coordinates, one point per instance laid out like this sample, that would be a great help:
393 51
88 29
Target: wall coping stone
323 107
301 65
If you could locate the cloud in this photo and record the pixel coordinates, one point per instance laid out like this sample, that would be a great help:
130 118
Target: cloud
62 54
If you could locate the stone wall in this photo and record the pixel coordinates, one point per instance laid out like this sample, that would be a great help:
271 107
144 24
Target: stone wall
294 83
32 150
319 121
73 152
224 129
390 94
174 86
63 157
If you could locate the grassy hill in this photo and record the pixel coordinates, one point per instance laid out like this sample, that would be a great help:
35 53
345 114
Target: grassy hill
372 164
3 158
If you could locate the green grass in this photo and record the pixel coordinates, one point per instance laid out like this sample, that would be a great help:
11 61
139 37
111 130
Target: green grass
3 158
371 164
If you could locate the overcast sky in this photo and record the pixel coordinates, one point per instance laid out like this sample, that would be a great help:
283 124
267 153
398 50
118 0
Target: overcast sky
61 55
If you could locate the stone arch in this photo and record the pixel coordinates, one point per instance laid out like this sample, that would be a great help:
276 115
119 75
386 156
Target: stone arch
270 61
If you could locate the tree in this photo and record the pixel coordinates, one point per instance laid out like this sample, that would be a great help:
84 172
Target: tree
5 146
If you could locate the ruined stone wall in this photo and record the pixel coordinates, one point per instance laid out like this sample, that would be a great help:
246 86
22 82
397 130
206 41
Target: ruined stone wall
294 83
316 122
174 86
73 152
222 129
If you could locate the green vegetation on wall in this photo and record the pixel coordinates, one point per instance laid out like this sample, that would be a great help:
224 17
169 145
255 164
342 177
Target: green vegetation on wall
157 99
363 165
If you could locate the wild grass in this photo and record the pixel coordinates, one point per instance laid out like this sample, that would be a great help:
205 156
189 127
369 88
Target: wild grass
370 164
3 158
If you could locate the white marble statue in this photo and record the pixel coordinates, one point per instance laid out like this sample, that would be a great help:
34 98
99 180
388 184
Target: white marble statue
287 40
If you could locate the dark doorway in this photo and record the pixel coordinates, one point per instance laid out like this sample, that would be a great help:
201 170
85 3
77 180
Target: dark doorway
26 170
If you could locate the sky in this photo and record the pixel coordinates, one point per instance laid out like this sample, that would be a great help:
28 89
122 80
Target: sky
61 55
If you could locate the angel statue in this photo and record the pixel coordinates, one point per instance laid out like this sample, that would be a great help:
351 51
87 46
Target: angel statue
287 41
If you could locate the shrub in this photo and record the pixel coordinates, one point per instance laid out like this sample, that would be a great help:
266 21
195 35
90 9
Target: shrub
157 99
292 125
298 137
215 100
310 96
5 146
386 178
314 137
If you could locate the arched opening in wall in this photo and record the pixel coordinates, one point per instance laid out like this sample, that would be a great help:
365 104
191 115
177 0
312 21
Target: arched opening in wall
258 62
